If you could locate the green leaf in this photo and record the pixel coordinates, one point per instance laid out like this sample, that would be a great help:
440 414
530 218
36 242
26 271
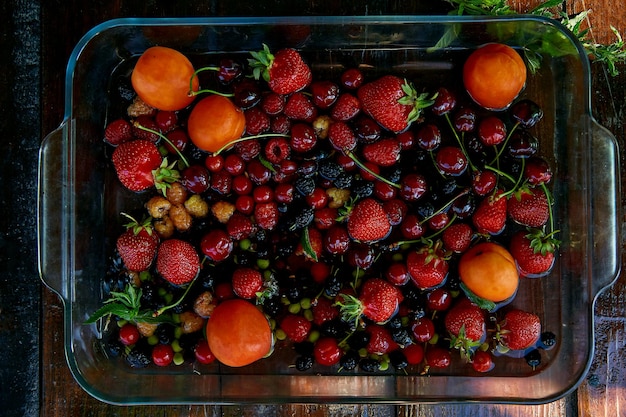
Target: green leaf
479 301
306 245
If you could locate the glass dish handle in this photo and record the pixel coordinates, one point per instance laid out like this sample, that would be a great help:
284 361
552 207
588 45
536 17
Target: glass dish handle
51 228
606 208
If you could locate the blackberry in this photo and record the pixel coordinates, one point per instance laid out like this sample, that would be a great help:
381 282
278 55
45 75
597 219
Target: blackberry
393 174
148 294
245 258
398 360
343 180
304 362
358 340
394 323
350 360
401 336
329 169
369 365
548 340
112 346
334 328
301 218
533 358
188 340
333 285
293 293
425 210
165 333
138 357
285 248
304 185
362 188
272 306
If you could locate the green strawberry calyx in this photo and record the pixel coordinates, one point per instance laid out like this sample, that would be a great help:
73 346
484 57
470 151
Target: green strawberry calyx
418 102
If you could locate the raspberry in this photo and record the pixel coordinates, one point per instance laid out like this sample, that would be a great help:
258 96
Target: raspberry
248 149
273 103
257 121
266 215
277 150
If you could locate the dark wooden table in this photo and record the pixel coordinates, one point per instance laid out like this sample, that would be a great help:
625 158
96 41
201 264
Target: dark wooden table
35 379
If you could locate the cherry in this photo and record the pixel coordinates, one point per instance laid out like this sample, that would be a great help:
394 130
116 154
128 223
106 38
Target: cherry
482 361
361 256
229 70
366 129
241 185
245 204
414 354
413 186
221 182
423 329
263 194
463 206
397 274
522 144
214 162
318 198
384 191
526 112
444 103
352 78
327 351
465 120
284 193
216 245
411 228
451 160
166 121
196 178
438 357
336 240
439 221
406 139
395 209
484 182
162 355
258 173
246 93
325 217
324 93
129 335
428 137
438 299
203 353
177 137
491 131
537 171
303 137
234 164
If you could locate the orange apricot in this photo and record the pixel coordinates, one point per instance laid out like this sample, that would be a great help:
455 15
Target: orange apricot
489 271
162 78
238 333
214 122
494 75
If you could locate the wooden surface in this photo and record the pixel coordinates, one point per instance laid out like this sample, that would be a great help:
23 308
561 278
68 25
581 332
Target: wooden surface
63 22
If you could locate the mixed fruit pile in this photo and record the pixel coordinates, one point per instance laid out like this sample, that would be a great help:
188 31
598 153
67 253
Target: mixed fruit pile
357 222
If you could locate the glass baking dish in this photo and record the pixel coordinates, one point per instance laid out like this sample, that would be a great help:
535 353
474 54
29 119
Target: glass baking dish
79 203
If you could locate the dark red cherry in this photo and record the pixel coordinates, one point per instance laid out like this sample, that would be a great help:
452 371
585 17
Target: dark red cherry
366 129
444 103
465 120
413 186
324 93
526 112
196 178
451 160
229 70
537 171
491 131
428 137
522 144
352 78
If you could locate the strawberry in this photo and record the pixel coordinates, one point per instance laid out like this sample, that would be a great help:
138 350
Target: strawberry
392 102
465 322
137 246
341 137
378 301
490 215
380 340
346 107
117 132
134 163
300 107
533 252
385 152
518 330
368 222
296 327
457 237
177 261
247 282
427 266
529 207
285 71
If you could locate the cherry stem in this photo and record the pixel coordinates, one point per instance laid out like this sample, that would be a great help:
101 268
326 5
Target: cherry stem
550 202
245 138
182 297
503 147
169 142
362 166
192 93
460 142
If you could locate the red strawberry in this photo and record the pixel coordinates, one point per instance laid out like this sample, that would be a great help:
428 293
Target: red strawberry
239 226
384 152
346 107
378 301
518 330
285 71
427 266
533 252
380 340
296 327
135 162
457 237
300 107
117 132
177 261
368 222
392 102
247 282
529 207
341 137
490 215
465 322
137 246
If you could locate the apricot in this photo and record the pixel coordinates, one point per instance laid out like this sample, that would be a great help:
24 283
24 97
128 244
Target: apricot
214 122
489 271
162 78
494 75
238 333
